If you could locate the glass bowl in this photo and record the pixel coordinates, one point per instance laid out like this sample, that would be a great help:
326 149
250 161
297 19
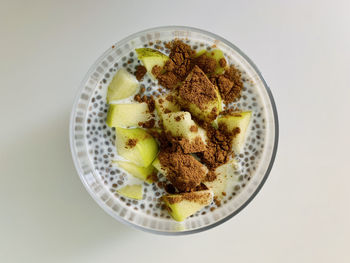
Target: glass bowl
92 146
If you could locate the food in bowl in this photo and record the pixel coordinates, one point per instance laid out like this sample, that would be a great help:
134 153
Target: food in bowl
185 139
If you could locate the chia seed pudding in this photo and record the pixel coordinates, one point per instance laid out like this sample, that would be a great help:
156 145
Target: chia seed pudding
101 138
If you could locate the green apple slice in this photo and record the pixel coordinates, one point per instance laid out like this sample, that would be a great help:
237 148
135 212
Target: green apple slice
181 206
233 121
127 115
122 86
224 177
143 173
166 104
200 52
150 58
156 164
180 124
134 191
136 145
208 110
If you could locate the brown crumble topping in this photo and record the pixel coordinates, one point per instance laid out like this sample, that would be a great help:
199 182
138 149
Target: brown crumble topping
218 150
230 111
148 124
213 114
181 54
153 177
210 177
140 72
183 170
198 197
170 98
148 99
137 97
201 187
151 104
222 62
169 65
230 84
169 188
173 144
194 128
168 80
197 89
156 70
192 147
131 143
207 64
178 66
167 45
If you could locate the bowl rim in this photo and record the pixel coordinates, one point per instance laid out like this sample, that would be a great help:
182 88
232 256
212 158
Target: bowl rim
204 228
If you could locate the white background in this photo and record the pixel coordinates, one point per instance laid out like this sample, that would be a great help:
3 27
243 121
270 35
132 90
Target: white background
302 213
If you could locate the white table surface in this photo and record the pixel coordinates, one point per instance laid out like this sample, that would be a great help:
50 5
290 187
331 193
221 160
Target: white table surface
302 213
